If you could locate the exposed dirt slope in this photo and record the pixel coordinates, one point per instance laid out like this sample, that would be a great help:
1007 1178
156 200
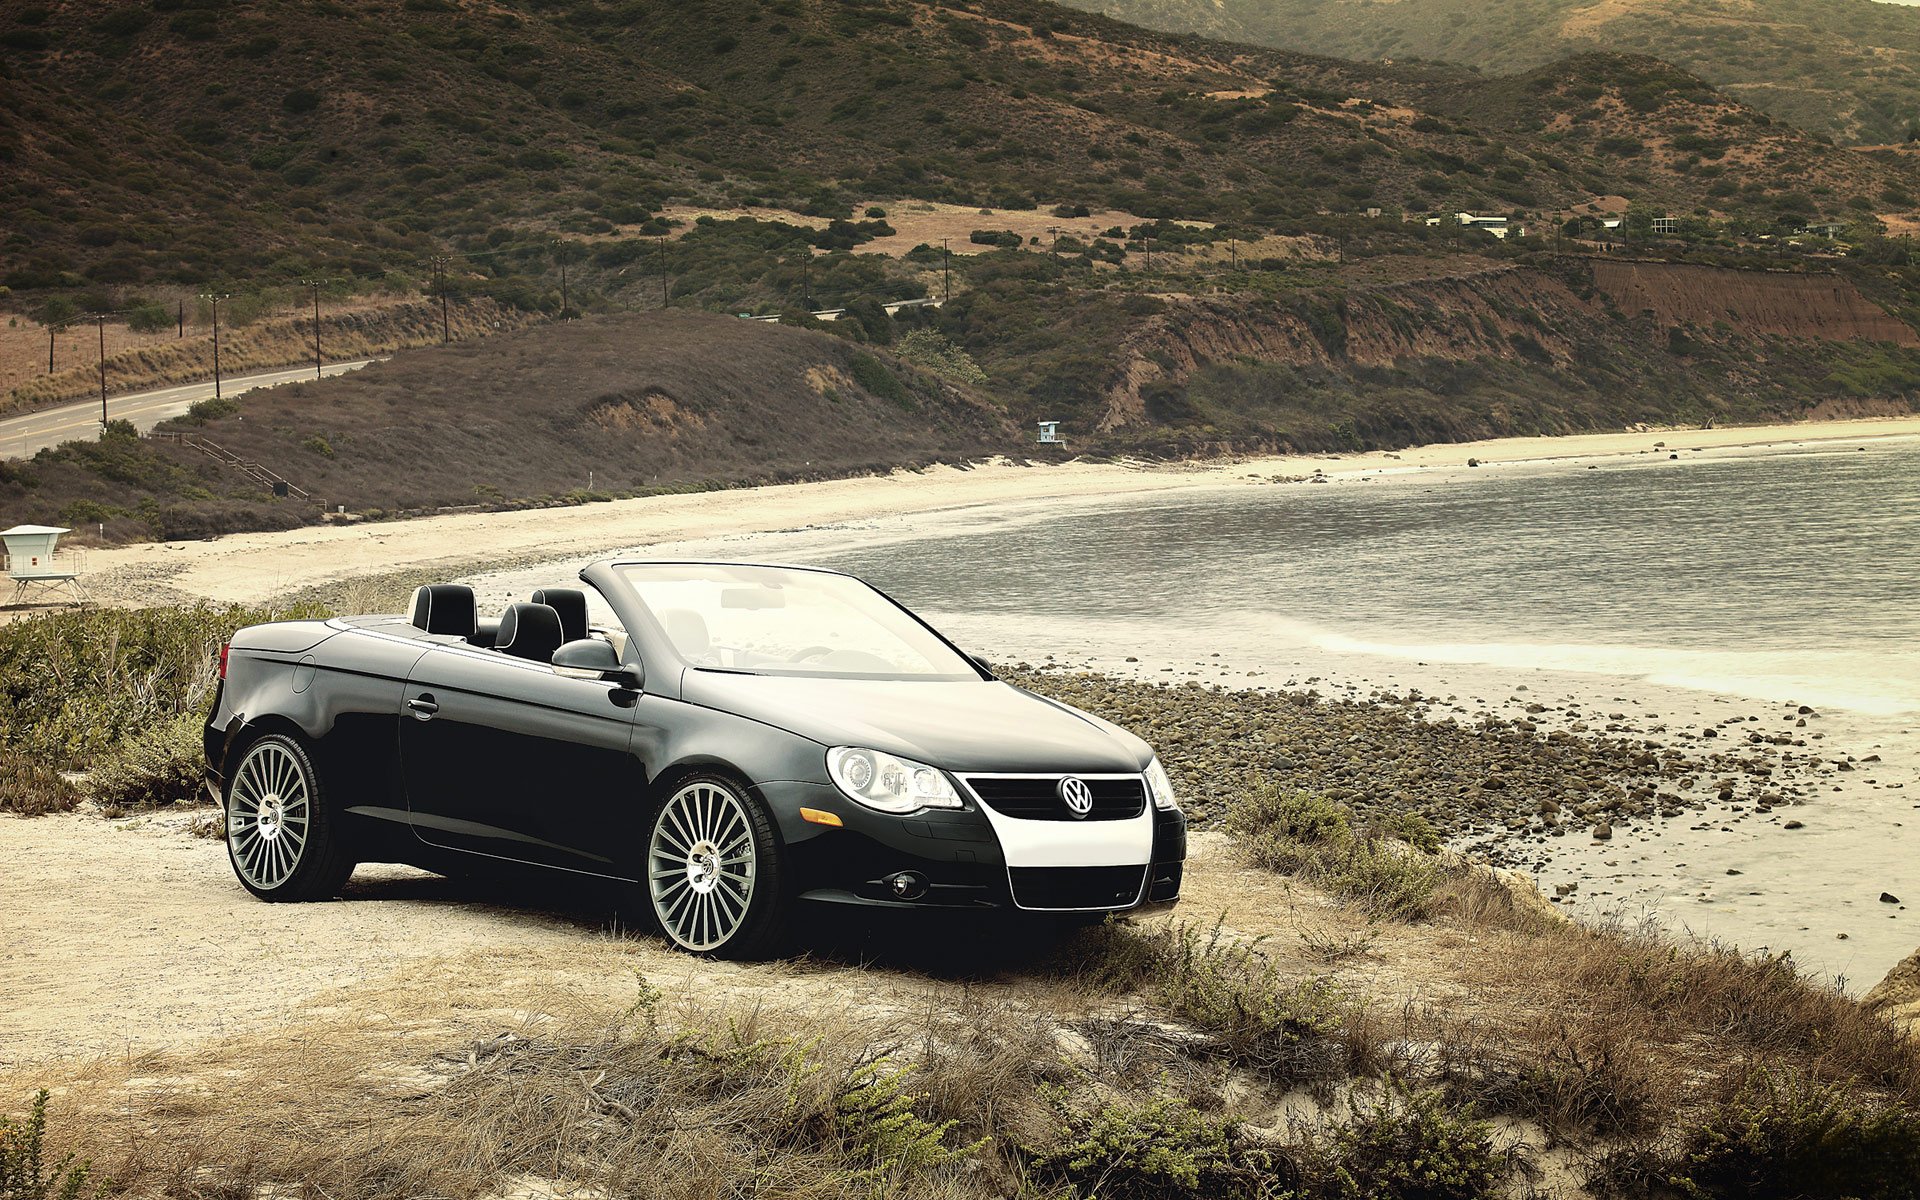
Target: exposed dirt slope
279 342
1551 348
1755 302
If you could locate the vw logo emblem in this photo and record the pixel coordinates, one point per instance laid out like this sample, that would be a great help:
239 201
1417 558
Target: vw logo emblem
1078 795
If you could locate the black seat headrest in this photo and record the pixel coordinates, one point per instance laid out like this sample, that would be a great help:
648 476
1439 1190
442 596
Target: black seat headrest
444 608
530 631
571 604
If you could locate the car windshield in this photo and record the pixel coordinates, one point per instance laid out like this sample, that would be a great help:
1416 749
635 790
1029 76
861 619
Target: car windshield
788 621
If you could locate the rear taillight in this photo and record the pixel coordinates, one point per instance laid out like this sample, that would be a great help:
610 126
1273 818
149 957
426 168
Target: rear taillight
224 647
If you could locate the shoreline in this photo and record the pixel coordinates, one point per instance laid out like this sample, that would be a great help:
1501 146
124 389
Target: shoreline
251 567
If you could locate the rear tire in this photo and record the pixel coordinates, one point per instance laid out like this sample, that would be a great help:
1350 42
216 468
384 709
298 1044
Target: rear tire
714 877
283 836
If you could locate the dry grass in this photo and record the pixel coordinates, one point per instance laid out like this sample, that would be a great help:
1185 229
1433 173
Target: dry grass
647 1099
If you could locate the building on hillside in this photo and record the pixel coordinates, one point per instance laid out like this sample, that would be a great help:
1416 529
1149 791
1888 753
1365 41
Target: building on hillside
1497 226
1666 225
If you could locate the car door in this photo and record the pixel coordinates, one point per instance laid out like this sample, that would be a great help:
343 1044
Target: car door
503 757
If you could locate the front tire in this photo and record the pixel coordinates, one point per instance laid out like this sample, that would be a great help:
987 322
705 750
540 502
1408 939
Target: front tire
282 837
714 876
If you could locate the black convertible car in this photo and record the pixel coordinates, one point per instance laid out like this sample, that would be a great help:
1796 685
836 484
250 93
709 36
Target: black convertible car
732 737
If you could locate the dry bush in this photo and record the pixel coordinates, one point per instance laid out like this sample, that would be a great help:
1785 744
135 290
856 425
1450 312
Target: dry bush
1774 1134
32 789
1385 867
732 1102
165 763
1754 1003
1574 1078
1289 1030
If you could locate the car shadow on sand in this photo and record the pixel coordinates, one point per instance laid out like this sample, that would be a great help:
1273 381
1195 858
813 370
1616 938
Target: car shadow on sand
960 946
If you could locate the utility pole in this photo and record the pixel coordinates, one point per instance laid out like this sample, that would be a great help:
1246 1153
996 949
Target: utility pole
50 330
806 279
1233 253
440 281
100 320
215 299
315 285
946 274
1053 247
180 316
560 255
664 298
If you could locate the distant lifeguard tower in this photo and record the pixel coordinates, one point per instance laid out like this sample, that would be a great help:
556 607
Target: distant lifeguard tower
34 562
1050 434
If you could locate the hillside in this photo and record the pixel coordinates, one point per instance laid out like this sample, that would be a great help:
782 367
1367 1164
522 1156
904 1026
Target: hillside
191 141
563 414
1849 69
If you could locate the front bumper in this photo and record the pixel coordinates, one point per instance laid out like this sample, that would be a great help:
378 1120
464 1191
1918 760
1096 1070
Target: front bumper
952 859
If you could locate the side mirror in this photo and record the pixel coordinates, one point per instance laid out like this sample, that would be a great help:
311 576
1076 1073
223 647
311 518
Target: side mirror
980 660
592 658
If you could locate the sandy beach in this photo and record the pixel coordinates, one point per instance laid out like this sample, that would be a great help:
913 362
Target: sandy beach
259 566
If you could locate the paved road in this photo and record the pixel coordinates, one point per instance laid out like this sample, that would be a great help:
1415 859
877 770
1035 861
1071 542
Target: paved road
22 437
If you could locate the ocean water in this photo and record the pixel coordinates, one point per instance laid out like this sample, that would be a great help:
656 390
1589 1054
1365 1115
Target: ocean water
1791 576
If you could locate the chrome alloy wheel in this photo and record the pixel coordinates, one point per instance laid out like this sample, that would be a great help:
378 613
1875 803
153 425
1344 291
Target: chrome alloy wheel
701 865
269 810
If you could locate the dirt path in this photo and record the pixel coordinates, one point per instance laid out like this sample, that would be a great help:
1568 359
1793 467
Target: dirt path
125 937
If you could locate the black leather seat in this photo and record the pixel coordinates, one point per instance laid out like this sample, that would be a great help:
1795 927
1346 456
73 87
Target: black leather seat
443 608
571 604
530 631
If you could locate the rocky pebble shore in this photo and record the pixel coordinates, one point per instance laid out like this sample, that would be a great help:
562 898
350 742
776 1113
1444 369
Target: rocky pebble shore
1500 787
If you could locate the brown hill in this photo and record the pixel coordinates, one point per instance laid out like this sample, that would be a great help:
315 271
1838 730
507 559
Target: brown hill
192 141
572 412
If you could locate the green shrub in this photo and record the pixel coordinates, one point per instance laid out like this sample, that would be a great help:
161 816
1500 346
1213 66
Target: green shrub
32 789
1163 1147
73 684
149 317
876 1114
873 376
1780 1136
162 764
1296 833
23 1174
1412 1146
202 411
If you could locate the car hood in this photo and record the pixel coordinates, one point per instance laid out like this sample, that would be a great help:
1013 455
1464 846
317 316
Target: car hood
973 725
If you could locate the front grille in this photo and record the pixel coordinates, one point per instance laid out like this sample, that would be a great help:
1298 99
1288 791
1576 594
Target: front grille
1037 797
1077 887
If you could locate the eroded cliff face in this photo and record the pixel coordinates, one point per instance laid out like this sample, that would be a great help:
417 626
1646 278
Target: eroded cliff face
1502 313
1752 302
1639 317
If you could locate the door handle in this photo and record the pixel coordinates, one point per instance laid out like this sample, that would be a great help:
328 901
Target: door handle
423 707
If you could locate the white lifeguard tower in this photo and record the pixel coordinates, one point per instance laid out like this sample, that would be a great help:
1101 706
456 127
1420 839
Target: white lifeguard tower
34 561
1050 434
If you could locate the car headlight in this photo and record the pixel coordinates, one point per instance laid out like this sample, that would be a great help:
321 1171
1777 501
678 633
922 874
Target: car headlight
1161 788
889 783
